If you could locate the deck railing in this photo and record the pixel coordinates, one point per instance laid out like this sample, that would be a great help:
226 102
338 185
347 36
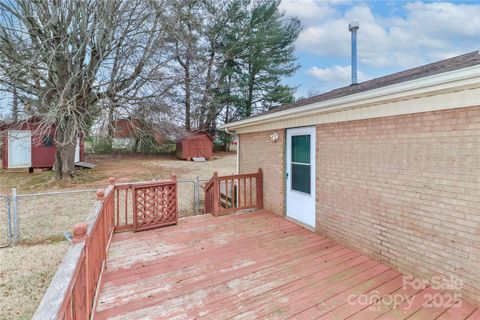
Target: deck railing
71 294
224 194
133 200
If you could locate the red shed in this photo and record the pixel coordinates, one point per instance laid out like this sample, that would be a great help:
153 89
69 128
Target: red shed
24 147
195 145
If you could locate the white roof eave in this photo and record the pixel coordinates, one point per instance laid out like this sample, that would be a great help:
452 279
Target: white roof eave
448 80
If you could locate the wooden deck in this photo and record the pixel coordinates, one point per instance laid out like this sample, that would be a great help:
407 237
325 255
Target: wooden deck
254 266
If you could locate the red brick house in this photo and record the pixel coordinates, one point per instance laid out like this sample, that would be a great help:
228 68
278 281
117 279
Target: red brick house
127 131
390 166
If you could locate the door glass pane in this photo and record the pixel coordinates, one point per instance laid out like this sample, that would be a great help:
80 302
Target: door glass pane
301 177
301 149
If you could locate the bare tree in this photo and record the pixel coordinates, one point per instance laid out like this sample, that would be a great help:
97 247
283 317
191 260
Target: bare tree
11 94
195 33
184 26
14 104
70 59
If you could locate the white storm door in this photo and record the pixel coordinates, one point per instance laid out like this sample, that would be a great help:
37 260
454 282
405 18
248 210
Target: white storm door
19 149
77 151
300 175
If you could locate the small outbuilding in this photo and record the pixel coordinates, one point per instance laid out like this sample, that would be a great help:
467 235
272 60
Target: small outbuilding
23 147
195 145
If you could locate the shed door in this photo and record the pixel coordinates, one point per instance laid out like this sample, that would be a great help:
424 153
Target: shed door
300 172
77 151
19 149
197 148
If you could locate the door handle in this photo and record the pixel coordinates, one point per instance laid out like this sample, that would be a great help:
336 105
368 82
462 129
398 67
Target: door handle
286 175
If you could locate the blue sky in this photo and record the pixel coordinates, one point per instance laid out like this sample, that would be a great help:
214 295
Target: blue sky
393 36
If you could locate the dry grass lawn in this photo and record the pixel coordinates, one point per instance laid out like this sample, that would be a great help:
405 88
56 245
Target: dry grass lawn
124 168
25 273
26 269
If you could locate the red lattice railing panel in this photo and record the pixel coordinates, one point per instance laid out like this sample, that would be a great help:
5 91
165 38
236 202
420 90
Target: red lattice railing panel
155 205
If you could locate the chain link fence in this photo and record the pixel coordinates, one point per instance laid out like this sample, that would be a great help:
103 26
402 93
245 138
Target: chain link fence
190 197
44 217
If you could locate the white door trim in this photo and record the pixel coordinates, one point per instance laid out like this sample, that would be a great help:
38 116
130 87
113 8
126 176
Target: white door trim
14 157
301 206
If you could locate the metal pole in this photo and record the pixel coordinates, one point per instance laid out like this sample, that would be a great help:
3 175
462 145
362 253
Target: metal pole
354 57
16 222
353 27
196 195
9 219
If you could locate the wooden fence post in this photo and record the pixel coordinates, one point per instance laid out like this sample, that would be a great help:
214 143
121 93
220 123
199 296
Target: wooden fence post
216 194
260 189
111 205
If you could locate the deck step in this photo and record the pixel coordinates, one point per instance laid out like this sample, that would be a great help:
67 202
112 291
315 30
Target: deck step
224 200
86 165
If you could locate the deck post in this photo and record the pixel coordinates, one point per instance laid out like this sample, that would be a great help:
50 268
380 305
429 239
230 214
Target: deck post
100 197
174 179
260 189
111 209
216 194
80 235
100 194
79 232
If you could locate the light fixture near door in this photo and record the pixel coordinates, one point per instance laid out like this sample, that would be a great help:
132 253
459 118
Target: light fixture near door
273 137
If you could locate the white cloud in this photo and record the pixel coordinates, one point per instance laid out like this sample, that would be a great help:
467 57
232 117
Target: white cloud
307 10
427 32
335 76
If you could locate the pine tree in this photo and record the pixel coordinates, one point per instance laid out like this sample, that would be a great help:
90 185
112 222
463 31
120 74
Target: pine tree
258 53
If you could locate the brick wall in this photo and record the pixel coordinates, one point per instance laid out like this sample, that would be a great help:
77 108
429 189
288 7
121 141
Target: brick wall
256 151
406 190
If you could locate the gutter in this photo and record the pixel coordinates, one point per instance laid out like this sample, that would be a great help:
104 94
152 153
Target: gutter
466 77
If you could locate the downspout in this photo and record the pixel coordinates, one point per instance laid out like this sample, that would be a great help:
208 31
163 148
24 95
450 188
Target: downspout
238 155
238 150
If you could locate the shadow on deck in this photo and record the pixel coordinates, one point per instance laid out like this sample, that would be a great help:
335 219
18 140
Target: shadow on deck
251 266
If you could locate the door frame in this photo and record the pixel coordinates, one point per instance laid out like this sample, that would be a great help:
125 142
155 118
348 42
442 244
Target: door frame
10 151
312 131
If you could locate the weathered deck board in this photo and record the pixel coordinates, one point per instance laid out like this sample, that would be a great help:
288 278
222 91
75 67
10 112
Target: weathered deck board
252 266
